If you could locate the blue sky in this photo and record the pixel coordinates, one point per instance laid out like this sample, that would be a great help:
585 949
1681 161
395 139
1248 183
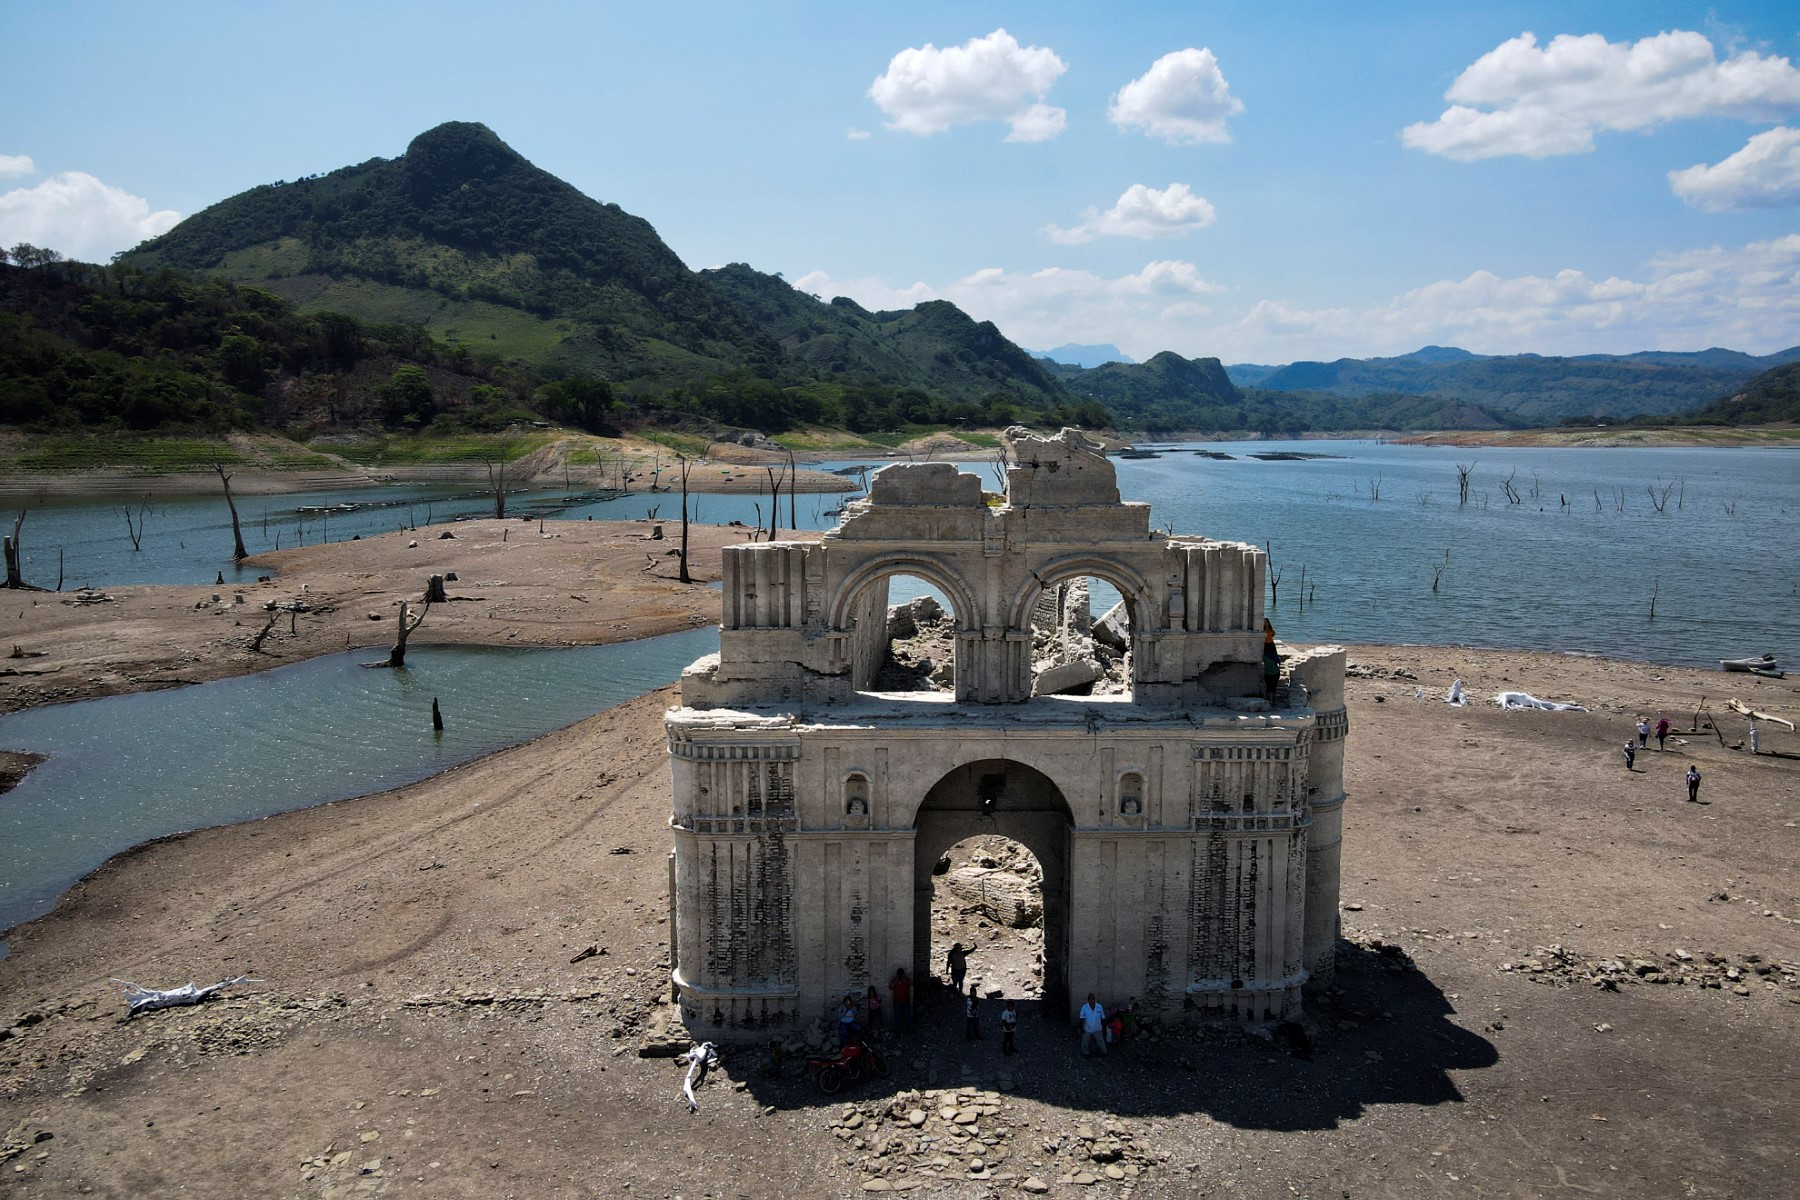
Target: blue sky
1257 182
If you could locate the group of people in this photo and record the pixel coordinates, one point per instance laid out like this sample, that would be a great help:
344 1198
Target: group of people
1661 732
859 1016
868 1009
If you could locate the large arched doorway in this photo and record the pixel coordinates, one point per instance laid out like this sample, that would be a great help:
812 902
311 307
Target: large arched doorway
1003 798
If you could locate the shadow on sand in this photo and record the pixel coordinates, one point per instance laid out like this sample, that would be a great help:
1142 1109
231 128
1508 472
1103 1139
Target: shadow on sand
1386 1038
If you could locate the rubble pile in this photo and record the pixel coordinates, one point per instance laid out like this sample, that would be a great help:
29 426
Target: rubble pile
925 1140
1558 966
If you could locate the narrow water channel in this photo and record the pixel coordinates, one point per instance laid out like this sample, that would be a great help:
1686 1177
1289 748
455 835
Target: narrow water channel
125 769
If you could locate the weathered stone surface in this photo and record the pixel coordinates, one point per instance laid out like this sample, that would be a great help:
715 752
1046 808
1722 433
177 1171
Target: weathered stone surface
1003 896
809 811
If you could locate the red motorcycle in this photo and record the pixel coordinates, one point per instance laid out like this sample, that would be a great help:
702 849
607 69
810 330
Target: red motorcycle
850 1065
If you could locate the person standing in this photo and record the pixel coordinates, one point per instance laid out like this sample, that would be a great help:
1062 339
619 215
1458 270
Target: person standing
958 962
1643 732
1693 782
1662 732
972 1033
1093 1026
900 987
847 1021
1009 1023
873 1003
1630 754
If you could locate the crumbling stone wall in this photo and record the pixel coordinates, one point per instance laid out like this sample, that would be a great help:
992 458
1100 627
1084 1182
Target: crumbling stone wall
1189 830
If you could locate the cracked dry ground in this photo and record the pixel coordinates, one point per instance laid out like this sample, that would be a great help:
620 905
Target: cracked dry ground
1527 998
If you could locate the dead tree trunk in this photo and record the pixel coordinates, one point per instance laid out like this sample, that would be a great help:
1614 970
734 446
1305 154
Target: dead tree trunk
238 553
793 501
497 481
14 573
134 524
434 590
403 629
774 500
686 466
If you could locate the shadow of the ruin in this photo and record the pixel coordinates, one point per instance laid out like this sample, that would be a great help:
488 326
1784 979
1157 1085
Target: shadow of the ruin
1384 1037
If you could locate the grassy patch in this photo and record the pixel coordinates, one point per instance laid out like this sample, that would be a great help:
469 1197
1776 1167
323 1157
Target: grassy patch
680 443
158 455
477 324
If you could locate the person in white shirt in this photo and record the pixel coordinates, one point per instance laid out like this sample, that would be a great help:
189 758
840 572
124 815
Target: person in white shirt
1093 1022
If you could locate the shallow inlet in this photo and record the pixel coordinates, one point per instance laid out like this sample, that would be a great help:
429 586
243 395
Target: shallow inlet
126 769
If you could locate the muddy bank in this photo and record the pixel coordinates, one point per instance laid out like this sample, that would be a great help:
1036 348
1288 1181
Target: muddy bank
573 583
454 977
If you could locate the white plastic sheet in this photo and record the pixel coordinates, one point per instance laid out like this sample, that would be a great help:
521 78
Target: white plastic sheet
142 999
1527 700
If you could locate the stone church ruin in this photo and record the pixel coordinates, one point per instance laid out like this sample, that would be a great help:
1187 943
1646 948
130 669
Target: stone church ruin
1187 827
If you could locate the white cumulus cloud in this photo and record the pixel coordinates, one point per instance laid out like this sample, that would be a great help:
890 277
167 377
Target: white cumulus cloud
856 135
1764 174
1141 212
926 90
1746 298
1538 101
80 217
16 166
1183 97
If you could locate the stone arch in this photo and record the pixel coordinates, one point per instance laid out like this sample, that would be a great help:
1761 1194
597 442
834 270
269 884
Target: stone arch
1132 586
1012 799
839 612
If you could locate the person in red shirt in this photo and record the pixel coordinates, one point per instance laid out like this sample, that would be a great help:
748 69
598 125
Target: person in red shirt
901 989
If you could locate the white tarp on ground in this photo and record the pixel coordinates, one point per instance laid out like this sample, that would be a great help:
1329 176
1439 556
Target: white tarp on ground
142 999
1527 700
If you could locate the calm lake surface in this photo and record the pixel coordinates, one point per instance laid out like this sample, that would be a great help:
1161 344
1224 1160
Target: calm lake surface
1571 567
125 769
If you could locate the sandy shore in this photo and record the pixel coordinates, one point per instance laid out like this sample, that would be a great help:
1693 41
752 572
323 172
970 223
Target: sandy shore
574 583
420 1026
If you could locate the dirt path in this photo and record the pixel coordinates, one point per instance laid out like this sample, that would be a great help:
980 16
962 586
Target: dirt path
420 1026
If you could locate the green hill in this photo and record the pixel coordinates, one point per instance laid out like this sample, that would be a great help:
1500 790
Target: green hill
1770 398
85 348
466 238
1167 392
934 347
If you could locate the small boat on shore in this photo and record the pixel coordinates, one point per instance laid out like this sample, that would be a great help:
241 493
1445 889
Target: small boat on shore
1759 664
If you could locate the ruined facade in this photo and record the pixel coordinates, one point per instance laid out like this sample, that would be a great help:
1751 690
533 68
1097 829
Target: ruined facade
1187 830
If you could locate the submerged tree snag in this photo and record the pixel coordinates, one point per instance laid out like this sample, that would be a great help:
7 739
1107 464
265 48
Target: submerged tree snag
238 553
15 578
403 629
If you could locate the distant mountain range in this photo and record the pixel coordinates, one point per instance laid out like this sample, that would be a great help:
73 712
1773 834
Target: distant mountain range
1528 387
1076 354
500 261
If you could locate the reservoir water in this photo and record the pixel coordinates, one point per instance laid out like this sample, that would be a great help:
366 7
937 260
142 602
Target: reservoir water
125 769
1573 565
